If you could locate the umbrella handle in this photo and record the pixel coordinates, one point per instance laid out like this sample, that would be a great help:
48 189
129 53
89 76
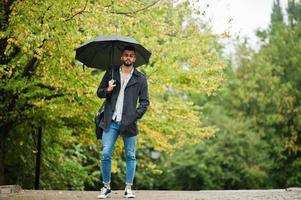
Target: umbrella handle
112 73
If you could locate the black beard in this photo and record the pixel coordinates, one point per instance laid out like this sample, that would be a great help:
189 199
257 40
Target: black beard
126 64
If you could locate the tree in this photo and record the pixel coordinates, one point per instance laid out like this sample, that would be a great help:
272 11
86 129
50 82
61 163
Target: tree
256 113
43 86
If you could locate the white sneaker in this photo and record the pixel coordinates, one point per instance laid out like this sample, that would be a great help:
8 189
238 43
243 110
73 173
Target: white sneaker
128 193
104 193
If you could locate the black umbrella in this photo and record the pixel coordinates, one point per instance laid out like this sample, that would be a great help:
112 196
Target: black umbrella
105 51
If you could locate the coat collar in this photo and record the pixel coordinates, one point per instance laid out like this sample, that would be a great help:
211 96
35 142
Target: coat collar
117 68
133 80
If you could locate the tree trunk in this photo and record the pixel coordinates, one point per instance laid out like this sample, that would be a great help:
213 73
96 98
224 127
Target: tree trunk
38 159
2 160
3 135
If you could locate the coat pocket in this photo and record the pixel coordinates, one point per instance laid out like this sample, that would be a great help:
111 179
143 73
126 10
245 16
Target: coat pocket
130 129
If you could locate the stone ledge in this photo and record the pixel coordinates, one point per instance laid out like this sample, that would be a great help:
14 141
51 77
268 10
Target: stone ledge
9 189
294 189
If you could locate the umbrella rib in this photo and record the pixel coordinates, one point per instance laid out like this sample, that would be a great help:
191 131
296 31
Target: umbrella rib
145 59
94 57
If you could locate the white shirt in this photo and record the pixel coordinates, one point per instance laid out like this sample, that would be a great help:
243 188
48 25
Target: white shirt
117 115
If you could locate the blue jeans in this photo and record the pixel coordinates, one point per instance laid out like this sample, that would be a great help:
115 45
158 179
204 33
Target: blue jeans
109 138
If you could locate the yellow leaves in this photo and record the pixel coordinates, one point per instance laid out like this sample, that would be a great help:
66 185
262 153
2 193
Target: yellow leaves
172 120
38 53
2 71
195 61
26 50
289 101
58 84
173 123
159 139
114 166
292 143
3 34
11 40
54 107
118 150
40 104
157 171
91 20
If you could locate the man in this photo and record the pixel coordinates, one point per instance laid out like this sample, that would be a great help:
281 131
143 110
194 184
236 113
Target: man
121 113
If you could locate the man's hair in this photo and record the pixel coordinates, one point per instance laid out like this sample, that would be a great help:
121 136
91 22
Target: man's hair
129 48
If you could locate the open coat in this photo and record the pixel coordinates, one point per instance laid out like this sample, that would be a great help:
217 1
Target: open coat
136 90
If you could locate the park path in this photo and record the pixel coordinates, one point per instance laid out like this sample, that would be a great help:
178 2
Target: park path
278 194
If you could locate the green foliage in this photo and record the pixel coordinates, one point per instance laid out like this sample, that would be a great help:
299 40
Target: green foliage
270 96
42 86
235 158
276 15
229 161
257 115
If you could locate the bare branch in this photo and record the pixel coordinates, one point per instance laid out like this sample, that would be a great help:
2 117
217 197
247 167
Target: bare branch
49 97
139 2
44 86
30 67
138 10
43 16
79 12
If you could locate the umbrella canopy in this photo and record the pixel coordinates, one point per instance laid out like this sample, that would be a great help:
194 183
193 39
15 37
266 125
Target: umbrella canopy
103 52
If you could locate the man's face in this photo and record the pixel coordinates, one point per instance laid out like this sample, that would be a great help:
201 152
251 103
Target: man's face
128 58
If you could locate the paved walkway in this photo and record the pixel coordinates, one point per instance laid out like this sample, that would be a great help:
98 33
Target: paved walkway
161 195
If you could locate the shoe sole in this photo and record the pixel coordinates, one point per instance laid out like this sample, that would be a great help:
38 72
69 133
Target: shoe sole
103 197
130 197
107 196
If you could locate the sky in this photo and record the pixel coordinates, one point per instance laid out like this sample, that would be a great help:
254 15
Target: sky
239 17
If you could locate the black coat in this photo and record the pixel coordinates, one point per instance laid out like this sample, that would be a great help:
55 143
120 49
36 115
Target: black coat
136 89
